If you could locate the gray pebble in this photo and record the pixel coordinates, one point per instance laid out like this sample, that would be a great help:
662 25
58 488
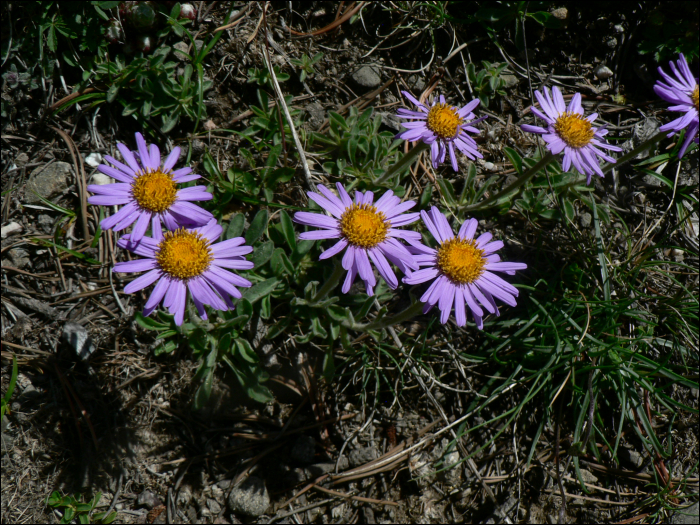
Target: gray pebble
689 515
363 455
48 181
585 220
147 499
78 338
19 257
367 77
630 458
250 497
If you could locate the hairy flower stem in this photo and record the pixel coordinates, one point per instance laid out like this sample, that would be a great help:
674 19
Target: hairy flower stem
385 322
406 160
632 154
330 283
491 201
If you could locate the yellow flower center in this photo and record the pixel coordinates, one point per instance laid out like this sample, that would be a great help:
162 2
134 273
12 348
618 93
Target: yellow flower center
461 260
362 225
154 191
695 95
574 129
183 254
444 121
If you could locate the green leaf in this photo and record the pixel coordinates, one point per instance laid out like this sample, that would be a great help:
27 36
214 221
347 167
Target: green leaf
278 328
149 323
280 263
166 348
263 253
203 393
260 290
426 196
246 351
328 366
568 209
74 253
514 159
235 226
288 230
257 227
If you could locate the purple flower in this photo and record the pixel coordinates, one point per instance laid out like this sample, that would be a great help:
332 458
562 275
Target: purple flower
462 271
682 91
367 230
568 131
149 192
183 260
442 127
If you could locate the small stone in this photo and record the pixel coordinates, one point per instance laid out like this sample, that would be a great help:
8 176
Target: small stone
367 77
686 515
630 458
319 469
585 220
78 338
510 80
147 499
560 13
180 51
250 497
45 222
213 505
101 179
363 455
588 476
93 160
10 228
304 449
19 257
619 28
48 181
602 72
611 42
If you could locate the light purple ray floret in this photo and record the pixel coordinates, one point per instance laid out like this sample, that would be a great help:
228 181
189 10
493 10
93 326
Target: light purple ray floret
479 295
417 129
214 286
678 90
182 213
584 158
356 259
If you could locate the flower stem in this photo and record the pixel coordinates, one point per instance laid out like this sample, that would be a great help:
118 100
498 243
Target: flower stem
488 203
633 154
331 283
385 322
407 159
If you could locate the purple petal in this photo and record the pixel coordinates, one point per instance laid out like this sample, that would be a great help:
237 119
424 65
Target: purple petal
144 280
335 249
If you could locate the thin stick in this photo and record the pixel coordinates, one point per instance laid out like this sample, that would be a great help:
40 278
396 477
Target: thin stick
302 157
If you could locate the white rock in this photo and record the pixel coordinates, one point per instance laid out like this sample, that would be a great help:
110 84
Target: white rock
101 179
93 160
10 228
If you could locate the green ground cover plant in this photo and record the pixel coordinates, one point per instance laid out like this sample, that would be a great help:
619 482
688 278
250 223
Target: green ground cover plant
592 330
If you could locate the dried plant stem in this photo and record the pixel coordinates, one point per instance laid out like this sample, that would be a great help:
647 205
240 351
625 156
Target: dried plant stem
280 96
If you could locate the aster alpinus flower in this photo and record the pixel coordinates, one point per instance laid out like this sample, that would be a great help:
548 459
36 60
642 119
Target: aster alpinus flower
367 231
569 131
442 127
682 91
187 260
149 192
461 269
